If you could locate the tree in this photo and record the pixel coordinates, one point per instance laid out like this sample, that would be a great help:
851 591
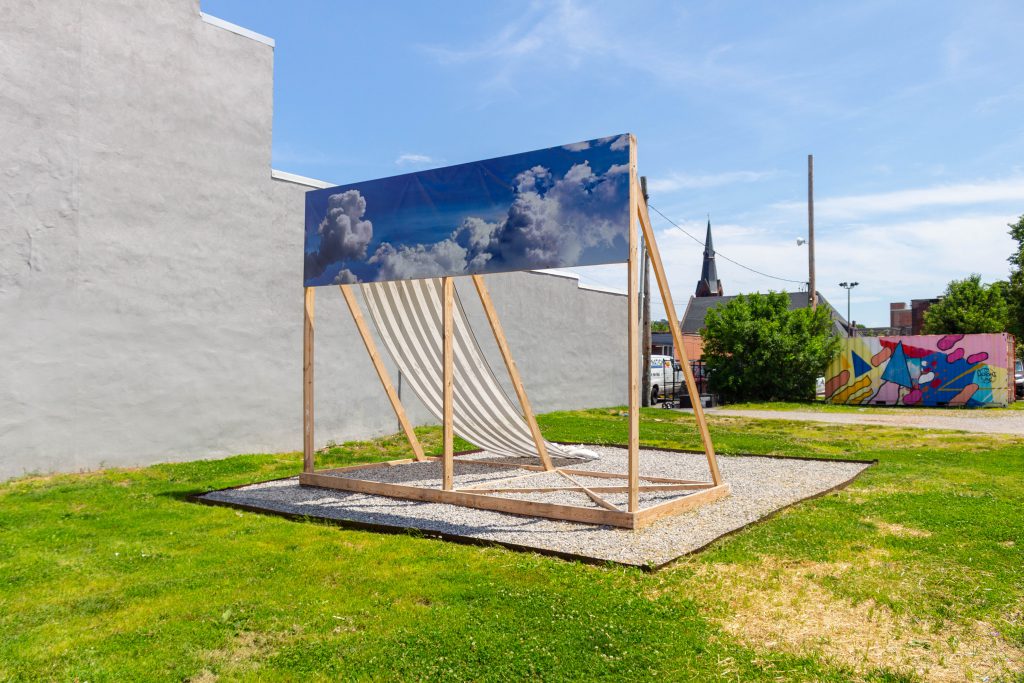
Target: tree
757 349
1013 290
968 307
660 326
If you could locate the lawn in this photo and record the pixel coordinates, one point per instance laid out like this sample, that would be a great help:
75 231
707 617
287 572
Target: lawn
914 572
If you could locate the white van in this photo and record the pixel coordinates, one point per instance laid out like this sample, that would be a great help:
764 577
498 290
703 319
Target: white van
666 377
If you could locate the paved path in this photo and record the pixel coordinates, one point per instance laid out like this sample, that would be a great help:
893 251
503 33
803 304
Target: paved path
1003 422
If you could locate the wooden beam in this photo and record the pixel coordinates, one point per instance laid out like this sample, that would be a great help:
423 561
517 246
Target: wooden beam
633 341
492 484
595 489
673 507
572 513
588 473
677 340
371 465
382 372
590 493
513 371
308 448
448 379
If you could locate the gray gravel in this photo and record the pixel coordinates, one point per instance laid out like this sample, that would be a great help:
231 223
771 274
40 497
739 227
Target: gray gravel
980 420
760 486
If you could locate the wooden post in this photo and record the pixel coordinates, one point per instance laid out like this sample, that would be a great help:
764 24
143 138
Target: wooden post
382 372
513 371
645 316
633 342
811 285
448 432
308 449
677 340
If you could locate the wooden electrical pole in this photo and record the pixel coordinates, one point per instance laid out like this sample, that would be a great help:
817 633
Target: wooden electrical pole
812 287
645 377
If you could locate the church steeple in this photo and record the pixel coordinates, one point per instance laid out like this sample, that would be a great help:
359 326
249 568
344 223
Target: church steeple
709 284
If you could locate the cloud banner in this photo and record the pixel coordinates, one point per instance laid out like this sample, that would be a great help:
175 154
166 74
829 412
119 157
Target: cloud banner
552 208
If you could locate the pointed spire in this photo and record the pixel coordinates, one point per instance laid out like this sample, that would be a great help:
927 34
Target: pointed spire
709 246
709 284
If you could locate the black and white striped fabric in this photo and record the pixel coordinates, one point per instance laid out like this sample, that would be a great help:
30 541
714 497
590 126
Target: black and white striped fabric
408 316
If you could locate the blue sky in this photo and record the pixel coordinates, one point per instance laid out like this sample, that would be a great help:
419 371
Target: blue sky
913 111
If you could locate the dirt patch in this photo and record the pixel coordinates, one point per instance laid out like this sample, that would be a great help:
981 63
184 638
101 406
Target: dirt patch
242 654
890 529
781 606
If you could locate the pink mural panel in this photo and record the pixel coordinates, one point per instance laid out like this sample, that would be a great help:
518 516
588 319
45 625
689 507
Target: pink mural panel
956 370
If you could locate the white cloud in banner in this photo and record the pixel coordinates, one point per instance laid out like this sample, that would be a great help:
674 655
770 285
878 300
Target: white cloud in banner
550 222
421 260
344 234
620 143
345 277
577 146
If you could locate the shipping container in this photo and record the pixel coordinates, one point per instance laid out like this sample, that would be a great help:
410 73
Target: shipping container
973 370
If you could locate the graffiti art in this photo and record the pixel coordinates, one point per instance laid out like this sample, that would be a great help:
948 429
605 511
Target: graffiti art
923 370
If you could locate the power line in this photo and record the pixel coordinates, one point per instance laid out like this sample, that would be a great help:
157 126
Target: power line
718 253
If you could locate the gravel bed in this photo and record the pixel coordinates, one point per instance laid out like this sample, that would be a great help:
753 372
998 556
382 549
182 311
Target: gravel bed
760 486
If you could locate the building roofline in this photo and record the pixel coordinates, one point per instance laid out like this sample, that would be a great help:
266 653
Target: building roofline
299 179
580 285
686 312
235 28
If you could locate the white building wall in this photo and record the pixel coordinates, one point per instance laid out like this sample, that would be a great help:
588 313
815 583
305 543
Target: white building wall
151 267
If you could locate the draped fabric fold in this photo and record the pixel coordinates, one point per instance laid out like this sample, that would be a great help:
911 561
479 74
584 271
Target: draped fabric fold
407 315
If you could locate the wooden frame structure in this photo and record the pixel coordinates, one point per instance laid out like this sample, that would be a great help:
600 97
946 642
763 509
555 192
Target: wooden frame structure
488 496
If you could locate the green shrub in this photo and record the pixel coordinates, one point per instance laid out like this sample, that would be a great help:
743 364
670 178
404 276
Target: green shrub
758 350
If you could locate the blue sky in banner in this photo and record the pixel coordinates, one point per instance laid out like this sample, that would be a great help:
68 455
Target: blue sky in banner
553 208
913 111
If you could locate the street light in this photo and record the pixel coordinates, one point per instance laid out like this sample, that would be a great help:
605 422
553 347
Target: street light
848 286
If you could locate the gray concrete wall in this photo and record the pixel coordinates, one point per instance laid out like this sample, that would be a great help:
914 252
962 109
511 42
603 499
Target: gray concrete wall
150 267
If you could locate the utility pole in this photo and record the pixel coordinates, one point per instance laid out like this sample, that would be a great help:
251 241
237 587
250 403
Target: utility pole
811 286
645 383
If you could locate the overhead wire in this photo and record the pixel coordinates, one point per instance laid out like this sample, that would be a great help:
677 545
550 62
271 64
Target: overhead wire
718 253
655 300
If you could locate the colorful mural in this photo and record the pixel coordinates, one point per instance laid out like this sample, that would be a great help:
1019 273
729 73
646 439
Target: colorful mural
971 370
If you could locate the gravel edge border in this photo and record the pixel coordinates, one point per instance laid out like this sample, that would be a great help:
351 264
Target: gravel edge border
200 499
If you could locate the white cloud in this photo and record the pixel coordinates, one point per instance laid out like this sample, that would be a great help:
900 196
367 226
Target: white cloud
893 260
854 207
577 146
344 235
550 221
620 142
577 211
686 181
406 160
419 260
345 277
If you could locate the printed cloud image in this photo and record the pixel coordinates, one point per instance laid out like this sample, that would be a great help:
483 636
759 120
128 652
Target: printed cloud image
552 208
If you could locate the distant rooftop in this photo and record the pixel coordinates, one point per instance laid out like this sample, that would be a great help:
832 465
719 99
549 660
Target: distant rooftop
698 307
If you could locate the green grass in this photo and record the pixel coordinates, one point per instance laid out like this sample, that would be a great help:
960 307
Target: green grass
113 575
